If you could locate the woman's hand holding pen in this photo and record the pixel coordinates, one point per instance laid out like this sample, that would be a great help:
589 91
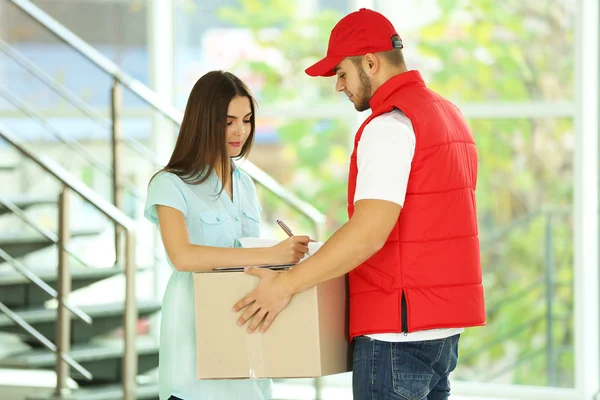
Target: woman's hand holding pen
290 251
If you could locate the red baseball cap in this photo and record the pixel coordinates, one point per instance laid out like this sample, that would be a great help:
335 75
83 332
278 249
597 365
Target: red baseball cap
361 32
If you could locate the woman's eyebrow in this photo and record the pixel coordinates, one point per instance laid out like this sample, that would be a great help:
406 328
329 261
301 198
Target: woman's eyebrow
233 117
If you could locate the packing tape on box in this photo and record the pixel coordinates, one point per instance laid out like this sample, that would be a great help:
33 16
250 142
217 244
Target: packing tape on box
258 390
255 353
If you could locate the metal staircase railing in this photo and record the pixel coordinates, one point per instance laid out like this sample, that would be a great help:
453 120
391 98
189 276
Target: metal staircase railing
61 355
16 211
74 145
32 277
72 185
545 285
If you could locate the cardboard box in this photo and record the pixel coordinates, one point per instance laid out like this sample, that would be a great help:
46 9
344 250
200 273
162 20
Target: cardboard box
307 339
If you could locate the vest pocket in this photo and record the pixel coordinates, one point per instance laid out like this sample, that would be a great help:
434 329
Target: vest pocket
375 277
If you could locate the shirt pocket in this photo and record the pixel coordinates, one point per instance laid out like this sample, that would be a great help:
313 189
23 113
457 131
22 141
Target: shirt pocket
251 220
216 228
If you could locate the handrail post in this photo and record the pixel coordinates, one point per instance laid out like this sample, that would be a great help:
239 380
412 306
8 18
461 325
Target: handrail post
116 97
318 385
320 227
130 318
63 325
549 263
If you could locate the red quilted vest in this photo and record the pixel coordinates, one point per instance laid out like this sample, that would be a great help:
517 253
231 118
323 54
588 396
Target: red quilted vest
428 273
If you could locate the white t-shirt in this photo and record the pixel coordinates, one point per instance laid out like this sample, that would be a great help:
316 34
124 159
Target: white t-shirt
388 144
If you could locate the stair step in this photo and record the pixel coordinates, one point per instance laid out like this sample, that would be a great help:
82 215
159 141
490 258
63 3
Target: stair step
17 291
21 384
103 359
106 318
19 246
11 277
8 167
105 392
115 392
25 202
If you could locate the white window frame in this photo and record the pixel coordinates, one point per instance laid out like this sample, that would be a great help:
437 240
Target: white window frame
587 276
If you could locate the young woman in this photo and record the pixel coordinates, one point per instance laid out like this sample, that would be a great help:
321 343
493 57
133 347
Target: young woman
202 205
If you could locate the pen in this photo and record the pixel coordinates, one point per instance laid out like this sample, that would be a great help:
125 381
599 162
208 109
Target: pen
285 228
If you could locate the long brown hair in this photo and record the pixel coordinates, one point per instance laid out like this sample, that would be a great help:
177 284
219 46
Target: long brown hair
202 140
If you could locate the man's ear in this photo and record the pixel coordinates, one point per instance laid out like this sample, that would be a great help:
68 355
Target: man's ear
371 63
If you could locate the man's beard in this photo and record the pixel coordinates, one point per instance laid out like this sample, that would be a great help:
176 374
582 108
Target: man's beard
364 95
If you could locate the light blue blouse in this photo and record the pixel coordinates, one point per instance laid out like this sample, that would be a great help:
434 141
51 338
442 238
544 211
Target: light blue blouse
212 221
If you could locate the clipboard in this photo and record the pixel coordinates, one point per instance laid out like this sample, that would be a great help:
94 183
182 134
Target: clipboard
273 267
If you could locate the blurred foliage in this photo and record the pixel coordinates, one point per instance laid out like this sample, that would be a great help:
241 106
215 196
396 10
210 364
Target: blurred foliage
316 150
478 52
520 52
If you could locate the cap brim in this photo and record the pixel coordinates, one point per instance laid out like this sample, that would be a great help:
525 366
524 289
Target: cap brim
324 67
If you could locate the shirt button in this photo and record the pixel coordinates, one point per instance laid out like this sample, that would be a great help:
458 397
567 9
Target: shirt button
237 218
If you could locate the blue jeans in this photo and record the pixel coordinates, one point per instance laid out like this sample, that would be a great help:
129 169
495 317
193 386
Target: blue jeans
403 371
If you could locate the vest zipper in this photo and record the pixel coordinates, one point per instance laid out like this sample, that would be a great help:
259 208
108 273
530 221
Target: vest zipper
404 314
